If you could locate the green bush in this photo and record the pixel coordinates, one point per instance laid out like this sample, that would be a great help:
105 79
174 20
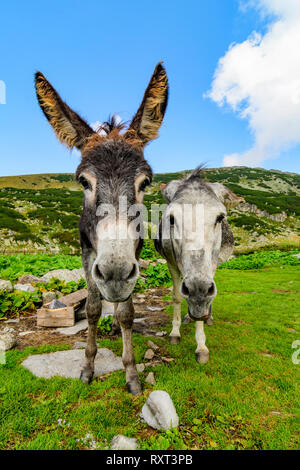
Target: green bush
261 259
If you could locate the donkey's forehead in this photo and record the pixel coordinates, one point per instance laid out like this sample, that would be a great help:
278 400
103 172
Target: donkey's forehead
197 192
114 158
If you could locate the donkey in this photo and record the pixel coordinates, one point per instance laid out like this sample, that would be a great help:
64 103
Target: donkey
112 168
193 255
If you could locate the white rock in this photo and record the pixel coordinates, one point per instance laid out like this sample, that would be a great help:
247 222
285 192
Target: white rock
153 345
150 378
6 285
120 442
149 354
24 287
140 367
8 339
159 411
25 333
154 309
64 275
73 330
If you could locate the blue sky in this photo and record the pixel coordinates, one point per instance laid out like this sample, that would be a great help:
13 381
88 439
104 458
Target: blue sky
100 55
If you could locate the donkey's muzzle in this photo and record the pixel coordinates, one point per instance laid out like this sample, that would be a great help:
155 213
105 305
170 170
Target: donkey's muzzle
115 281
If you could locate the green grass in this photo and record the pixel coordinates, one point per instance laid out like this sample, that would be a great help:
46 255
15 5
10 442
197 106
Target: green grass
228 403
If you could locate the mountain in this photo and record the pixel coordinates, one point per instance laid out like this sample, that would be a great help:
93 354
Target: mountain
41 212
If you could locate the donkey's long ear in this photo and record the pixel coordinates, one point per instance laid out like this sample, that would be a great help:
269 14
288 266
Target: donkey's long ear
70 128
148 119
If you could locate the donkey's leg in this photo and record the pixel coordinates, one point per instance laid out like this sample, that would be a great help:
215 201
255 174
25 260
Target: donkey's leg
202 352
176 323
125 315
93 312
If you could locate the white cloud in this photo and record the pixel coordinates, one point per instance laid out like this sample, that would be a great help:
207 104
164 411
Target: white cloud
260 80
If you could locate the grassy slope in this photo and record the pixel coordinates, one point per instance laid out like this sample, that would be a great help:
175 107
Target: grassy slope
227 403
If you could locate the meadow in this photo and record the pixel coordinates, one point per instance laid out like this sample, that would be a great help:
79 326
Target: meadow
245 397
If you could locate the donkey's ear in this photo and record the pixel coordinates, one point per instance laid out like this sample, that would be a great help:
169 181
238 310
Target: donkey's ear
70 128
225 195
148 119
169 190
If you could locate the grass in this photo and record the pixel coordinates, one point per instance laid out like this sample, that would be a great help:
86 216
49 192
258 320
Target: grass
245 398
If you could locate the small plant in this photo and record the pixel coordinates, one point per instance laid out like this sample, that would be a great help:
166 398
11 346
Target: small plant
18 301
105 324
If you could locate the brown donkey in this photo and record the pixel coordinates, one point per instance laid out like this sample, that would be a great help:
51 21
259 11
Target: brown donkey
112 168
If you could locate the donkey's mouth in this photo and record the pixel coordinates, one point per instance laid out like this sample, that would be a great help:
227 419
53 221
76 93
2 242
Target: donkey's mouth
203 318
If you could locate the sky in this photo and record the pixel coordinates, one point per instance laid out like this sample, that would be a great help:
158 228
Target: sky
233 68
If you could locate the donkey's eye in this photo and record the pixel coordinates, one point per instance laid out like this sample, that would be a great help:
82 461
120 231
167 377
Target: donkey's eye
144 185
220 218
85 184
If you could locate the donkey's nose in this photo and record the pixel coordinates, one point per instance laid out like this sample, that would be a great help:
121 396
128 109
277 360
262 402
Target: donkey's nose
193 287
109 272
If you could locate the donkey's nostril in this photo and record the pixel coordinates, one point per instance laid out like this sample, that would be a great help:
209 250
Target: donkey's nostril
132 272
184 289
98 273
211 289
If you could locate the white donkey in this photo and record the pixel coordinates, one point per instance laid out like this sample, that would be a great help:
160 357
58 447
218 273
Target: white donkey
194 237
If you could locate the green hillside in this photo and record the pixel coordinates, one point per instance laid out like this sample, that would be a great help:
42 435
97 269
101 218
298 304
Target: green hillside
41 212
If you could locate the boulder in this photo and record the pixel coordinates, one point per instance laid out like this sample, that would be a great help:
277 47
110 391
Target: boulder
28 279
159 411
24 287
66 275
6 285
120 442
8 339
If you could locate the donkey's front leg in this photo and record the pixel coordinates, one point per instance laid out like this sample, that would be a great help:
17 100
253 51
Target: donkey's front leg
176 323
125 313
93 312
202 352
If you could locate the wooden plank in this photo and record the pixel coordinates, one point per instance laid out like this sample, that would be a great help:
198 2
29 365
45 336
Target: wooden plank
74 299
56 317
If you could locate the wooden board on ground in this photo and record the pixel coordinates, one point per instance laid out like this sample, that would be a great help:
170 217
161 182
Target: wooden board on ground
49 317
64 316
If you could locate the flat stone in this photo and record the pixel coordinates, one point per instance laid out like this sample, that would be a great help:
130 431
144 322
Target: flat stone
55 304
149 354
69 363
73 330
150 378
161 333
120 442
80 345
154 309
24 287
159 411
6 285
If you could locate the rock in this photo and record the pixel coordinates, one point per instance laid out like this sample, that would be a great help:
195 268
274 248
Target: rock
24 287
66 275
69 363
159 411
120 442
140 367
149 354
6 285
28 279
73 330
154 309
25 333
13 320
139 320
161 260
8 339
144 263
150 378
48 297
55 304
79 345
161 333
153 345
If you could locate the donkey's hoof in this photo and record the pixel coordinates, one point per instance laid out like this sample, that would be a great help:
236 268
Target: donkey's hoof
202 357
86 376
209 321
134 387
174 339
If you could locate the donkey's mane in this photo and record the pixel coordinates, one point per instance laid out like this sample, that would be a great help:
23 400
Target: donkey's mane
113 123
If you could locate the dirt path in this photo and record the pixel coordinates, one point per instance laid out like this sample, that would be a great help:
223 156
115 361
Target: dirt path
150 316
